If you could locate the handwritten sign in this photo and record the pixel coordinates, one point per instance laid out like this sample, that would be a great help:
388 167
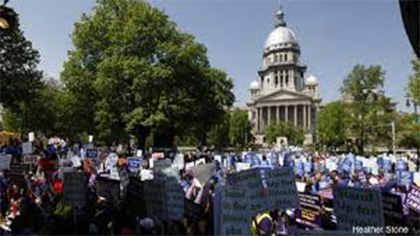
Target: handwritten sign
310 212
251 179
175 199
413 199
158 155
179 161
74 189
282 190
235 218
356 207
393 210
5 161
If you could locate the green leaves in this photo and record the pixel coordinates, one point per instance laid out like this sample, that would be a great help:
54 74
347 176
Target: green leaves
333 124
140 74
414 82
295 135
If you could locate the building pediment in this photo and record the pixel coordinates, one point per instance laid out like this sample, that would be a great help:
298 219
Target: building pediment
283 95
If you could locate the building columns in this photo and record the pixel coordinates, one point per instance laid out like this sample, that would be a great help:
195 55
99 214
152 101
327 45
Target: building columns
310 118
304 117
295 115
286 113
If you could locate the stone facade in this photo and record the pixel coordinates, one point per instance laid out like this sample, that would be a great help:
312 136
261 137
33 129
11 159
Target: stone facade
281 93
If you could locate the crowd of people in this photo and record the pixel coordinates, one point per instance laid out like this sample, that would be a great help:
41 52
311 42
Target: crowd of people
33 203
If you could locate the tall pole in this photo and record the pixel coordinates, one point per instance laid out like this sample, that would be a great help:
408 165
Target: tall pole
393 137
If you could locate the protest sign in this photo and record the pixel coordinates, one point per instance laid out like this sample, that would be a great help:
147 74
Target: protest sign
109 189
154 197
309 213
175 199
413 198
204 172
400 165
139 153
16 173
393 210
161 164
240 166
74 189
404 178
235 216
218 158
66 166
200 161
27 148
356 207
252 181
5 161
146 175
158 155
281 188
134 164
30 159
31 136
416 178
92 153
179 161
386 164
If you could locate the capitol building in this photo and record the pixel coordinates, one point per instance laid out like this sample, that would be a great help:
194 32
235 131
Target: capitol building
282 91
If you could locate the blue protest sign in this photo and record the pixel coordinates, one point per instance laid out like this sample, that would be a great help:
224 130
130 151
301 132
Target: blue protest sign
386 165
346 165
404 178
359 165
308 167
299 168
92 153
134 164
400 166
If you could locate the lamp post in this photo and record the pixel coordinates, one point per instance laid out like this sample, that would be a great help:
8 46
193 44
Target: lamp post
417 120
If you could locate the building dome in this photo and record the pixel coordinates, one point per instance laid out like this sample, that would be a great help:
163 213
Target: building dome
281 37
311 81
254 85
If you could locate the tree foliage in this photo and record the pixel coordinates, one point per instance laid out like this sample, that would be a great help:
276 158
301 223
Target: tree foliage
240 128
414 82
295 135
19 76
135 73
333 124
368 106
408 132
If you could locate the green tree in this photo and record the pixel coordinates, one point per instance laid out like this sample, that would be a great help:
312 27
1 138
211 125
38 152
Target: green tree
219 133
240 128
19 76
408 135
333 124
135 73
368 106
295 135
414 82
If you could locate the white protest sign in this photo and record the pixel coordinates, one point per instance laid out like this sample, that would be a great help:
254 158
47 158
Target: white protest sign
355 207
31 136
76 161
146 175
66 166
5 161
218 158
416 178
27 148
204 172
74 189
240 166
235 212
189 165
90 138
139 153
252 181
301 186
179 161
281 188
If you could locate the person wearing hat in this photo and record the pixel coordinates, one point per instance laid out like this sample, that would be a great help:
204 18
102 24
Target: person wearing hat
262 225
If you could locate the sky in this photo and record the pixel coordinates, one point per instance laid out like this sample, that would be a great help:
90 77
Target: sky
334 36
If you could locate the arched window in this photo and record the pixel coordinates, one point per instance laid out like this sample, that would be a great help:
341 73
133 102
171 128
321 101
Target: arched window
285 57
276 58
